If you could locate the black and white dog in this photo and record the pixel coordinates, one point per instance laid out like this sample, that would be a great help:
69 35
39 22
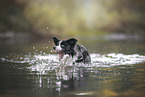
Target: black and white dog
68 49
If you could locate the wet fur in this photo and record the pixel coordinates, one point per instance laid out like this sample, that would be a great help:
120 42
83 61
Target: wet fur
69 48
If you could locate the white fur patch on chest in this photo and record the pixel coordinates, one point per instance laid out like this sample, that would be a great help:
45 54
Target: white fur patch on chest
68 59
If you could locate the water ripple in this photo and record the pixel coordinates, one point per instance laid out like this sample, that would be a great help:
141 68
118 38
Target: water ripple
47 62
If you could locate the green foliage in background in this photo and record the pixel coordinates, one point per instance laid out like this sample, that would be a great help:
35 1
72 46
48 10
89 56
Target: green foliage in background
72 17
12 17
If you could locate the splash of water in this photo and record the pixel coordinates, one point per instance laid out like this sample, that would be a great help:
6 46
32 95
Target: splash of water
48 62
56 73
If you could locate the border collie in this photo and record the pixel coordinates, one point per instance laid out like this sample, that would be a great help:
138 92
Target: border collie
68 49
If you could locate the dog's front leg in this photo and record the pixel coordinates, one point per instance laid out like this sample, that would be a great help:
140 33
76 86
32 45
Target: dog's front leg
64 59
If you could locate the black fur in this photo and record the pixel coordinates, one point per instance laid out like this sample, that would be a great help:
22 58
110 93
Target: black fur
72 49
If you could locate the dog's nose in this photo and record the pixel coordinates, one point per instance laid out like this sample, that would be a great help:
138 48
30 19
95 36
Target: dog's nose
54 47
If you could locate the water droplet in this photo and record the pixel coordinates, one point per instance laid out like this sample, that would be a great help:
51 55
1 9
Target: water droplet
21 57
33 47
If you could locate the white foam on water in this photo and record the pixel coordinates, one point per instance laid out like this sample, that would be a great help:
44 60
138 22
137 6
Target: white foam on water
113 59
50 62
47 62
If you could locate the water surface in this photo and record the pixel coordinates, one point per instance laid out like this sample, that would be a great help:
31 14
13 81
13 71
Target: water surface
33 70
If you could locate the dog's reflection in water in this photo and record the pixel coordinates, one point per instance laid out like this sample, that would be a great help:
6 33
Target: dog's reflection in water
70 76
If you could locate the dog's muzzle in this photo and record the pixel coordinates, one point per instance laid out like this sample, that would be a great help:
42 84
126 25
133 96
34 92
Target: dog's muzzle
60 52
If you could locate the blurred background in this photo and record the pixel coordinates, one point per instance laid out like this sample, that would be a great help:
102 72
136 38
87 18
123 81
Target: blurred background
113 31
31 20
103 26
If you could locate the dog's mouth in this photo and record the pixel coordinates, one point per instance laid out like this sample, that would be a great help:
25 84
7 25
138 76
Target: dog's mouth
60 54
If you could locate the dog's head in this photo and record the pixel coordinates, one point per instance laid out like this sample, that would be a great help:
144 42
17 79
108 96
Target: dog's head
64 46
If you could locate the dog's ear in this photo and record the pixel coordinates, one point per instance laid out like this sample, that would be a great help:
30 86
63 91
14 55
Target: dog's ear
72 41
56 41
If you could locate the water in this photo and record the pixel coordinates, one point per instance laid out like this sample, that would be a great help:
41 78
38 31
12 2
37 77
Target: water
117 70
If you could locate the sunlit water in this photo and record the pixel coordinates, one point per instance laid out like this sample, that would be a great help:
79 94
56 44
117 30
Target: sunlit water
104 76
117 69
43 63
